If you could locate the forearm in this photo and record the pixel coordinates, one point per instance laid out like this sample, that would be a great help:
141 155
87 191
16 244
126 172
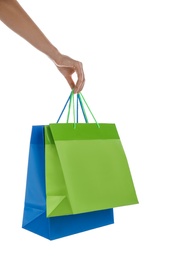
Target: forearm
14 16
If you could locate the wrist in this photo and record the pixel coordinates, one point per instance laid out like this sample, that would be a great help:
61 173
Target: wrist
54 55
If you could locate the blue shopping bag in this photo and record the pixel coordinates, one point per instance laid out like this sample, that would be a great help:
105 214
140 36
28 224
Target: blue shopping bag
34 214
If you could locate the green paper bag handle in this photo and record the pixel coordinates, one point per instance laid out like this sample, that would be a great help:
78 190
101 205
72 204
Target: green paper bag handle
80 95
81 99
69 101
69 108
82 108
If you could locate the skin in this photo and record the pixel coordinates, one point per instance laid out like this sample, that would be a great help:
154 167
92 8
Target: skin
15 17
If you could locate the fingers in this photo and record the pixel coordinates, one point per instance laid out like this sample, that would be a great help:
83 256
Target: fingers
70 82
67 67
81 77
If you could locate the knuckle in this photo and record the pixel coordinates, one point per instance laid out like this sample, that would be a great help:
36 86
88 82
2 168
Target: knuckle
79 64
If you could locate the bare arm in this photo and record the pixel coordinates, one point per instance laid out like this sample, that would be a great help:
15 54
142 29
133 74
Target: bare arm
14 16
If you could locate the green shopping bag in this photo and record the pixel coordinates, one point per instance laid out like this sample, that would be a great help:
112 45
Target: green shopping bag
86 167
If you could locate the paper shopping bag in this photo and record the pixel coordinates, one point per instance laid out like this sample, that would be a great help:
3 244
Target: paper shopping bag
86 169
34 215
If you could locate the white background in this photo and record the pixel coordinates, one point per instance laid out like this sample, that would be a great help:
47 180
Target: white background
126 48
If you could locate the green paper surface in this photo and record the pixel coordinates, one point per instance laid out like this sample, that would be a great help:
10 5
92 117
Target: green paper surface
86 169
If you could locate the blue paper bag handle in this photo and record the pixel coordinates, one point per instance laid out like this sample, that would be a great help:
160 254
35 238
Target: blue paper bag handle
80 100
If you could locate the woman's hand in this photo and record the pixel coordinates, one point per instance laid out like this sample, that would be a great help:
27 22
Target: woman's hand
68 67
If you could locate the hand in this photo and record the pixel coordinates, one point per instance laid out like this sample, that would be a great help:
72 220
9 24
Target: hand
67 67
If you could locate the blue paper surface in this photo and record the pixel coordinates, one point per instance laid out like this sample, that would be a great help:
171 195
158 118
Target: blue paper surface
34 215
